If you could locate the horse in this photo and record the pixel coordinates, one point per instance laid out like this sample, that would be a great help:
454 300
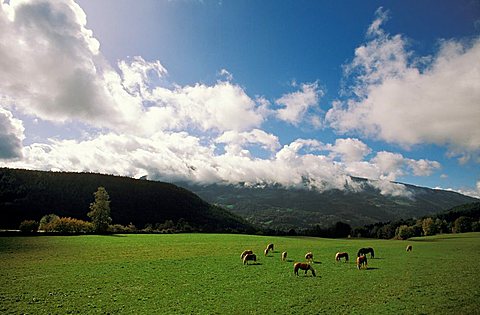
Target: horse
361 261
366 250
409 248
303 266
245 252
340 255
269 248
309 256
248 257
284 256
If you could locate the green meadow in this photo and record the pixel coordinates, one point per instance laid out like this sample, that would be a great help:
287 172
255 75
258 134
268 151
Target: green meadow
203 274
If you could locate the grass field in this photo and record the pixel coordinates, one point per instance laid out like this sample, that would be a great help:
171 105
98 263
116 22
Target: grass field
203 274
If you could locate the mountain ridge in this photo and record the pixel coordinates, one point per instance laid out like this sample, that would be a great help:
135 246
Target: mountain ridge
278 207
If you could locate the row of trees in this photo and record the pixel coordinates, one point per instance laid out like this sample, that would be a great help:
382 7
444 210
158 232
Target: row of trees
99 214
101 222
465 218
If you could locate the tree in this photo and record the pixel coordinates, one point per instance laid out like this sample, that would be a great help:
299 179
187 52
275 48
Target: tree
429 227
28 226
462 224
404 231
100 211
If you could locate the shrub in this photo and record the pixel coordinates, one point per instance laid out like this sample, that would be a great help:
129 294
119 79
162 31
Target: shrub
29 226
46 220
70 226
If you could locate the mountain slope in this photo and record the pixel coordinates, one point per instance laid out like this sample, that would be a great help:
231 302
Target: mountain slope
26 194
281 208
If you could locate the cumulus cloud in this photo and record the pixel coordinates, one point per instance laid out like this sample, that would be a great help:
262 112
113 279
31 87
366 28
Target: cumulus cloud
47 65
61 76
296 104
138 73
223 106
349 149
236 141
398 99
175 156
11 136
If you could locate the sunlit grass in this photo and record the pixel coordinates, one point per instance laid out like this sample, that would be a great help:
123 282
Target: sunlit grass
203 273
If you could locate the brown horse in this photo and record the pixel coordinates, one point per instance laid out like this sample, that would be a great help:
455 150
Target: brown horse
303 266
284 256
249 257
361 262
409 248
309 256
269 248
245 252
340 255
366 250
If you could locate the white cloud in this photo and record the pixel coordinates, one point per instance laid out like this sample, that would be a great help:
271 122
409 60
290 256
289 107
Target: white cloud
296 104
61 76
223 106
349 149
236 141
173 156
472 192
389 188
11 136
138 73
399 101
48 62
226 74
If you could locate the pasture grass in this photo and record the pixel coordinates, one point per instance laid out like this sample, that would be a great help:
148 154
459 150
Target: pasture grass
203 274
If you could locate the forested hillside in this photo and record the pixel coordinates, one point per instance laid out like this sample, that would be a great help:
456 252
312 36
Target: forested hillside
26 194
282 208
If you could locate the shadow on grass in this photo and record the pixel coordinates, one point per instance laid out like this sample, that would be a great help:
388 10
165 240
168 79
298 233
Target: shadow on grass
317 262
254 264
372 268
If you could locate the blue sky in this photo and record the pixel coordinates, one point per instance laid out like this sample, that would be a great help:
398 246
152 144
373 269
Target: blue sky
245 91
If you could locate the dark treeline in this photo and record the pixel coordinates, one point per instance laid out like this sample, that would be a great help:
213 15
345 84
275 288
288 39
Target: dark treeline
460 219
31 195
464 218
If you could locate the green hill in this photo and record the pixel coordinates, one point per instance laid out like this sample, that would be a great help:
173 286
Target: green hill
278 207
26 194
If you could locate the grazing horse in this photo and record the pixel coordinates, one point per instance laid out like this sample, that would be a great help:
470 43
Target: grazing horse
249 257
269 248
303 266
340 255
309 256
284 256
361 261
245 252
409 248
366 250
